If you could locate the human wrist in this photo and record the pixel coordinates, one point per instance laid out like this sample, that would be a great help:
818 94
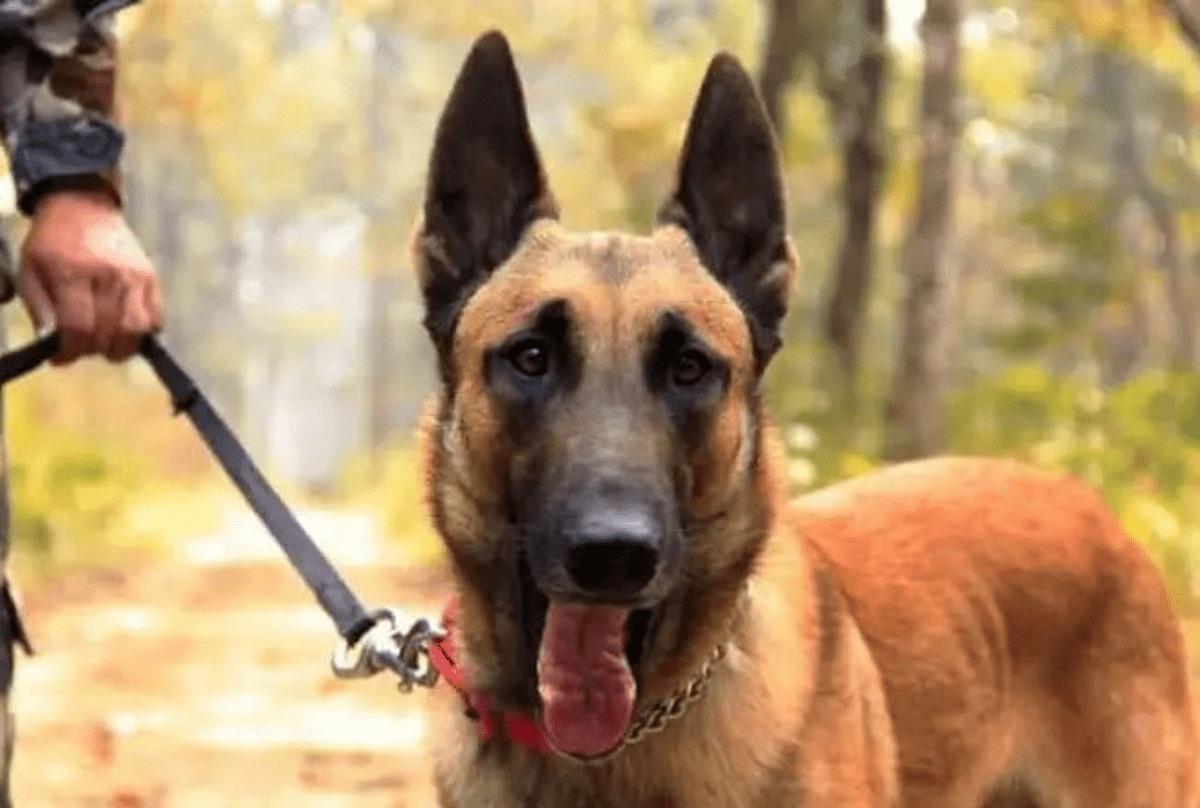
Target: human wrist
92 190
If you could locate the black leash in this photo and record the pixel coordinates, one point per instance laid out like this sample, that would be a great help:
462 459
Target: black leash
371 641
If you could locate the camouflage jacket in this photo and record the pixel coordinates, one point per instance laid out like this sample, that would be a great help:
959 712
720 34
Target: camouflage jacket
57 73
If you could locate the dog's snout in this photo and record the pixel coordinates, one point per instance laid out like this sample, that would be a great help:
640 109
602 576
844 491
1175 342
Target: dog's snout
614 555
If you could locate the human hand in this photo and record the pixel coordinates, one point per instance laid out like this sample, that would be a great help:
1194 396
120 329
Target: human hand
83 272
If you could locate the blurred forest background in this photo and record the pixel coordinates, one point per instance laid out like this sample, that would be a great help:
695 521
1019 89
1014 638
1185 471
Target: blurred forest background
997 211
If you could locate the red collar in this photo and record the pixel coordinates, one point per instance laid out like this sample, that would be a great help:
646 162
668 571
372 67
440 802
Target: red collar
520 729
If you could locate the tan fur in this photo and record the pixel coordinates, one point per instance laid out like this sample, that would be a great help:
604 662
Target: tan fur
951 633
1018 629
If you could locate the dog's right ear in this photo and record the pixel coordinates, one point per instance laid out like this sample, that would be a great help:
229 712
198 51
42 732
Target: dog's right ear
485 186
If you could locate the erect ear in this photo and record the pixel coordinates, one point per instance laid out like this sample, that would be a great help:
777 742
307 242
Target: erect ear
729 199
485 186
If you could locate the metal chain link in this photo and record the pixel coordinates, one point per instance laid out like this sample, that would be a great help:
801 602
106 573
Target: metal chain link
653 718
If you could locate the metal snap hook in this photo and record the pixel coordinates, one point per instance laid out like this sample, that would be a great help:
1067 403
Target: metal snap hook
385 646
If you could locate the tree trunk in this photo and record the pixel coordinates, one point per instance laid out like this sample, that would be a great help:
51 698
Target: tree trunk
786 46
1132 165
846 46
1187 17
915 412
858 114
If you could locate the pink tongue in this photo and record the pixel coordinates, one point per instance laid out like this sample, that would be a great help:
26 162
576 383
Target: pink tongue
586 686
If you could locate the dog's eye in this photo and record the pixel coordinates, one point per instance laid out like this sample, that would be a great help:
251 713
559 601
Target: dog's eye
530 357
689 367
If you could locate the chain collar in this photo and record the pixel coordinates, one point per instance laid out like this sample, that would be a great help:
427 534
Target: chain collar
653 717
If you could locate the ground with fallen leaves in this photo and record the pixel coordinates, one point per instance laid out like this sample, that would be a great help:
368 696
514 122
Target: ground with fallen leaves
202 679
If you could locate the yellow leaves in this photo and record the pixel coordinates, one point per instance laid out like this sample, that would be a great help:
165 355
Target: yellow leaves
268 118
265 116
1174 58
855 464
1135 24
1144 27
1189 218
529 26
807 137
363 9
1003 92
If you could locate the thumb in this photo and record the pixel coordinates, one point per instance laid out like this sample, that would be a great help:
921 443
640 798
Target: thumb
36 299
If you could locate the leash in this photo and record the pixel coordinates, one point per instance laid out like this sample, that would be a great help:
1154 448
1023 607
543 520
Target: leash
370 641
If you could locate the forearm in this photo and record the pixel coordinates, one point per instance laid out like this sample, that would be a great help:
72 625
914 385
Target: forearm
57 76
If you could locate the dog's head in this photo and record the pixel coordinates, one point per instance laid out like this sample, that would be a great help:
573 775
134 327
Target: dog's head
595 464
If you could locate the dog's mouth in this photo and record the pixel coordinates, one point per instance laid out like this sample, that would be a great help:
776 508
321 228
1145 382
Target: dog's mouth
587 670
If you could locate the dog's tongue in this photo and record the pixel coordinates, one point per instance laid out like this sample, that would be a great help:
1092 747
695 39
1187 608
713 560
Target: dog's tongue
584 680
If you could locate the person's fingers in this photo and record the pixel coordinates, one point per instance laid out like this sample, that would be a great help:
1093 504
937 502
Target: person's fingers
124 345
135 322
108 300
74 302
154 303
36 299
86 274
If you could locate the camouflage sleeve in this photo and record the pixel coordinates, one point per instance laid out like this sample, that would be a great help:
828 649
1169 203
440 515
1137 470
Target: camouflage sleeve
57 74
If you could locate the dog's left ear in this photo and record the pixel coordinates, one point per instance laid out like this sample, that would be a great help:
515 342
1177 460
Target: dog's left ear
729 199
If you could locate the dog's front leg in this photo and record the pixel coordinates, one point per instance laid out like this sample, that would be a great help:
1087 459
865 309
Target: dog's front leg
847 755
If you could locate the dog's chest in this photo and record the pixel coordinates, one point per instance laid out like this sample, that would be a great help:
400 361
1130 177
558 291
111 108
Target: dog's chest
522 781
542 784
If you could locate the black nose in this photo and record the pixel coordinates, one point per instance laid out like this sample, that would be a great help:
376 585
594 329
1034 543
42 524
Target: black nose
613 555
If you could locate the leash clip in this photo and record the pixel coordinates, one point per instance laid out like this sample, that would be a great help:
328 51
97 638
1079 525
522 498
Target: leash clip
384 646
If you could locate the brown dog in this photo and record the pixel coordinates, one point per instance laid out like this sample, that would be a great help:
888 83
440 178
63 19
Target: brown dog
642 621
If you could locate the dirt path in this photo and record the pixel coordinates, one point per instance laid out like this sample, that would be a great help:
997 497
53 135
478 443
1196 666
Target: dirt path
203 680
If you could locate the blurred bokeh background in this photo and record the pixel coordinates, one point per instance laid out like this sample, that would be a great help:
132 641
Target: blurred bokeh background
998 217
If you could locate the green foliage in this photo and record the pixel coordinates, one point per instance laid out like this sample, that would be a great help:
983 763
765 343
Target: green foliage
1071 297
99 472
1079 221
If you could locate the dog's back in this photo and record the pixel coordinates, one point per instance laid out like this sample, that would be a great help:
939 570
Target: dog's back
1026 644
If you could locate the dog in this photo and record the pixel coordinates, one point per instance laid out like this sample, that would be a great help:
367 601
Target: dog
641 619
